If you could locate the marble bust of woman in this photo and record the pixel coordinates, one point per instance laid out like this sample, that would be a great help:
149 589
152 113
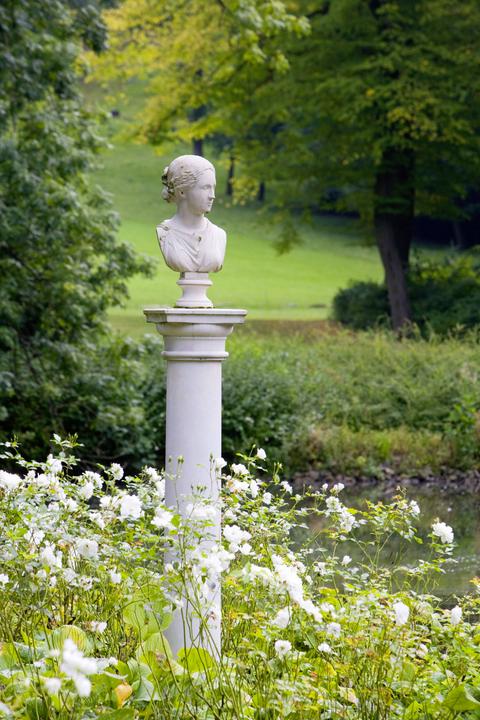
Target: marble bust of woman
189 241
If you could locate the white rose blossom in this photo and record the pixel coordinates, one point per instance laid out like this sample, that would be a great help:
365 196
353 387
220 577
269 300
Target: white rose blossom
261 454
130 507
86 548
116 471
283 648
76 666
239 469
443 531
455 615
52 685
163 518
282 618
402 613
324 648
9 481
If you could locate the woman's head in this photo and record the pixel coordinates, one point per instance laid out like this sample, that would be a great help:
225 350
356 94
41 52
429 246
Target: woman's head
182 174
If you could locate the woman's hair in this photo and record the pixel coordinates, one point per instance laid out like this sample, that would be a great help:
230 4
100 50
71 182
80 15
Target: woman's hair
183 173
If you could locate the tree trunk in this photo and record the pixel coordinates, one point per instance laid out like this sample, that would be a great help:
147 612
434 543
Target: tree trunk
231 174
393 217
197 147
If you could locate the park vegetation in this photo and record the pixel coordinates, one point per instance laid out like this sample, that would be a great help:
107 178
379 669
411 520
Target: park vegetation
319 629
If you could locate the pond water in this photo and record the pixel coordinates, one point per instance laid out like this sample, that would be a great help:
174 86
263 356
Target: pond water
460 510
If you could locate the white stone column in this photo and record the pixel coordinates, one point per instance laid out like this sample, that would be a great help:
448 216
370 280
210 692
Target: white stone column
194 351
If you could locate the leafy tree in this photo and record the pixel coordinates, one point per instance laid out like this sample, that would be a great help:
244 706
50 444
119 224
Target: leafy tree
60 263
388 97
200 59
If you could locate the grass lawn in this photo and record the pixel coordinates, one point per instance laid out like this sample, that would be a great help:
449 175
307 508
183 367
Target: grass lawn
296 286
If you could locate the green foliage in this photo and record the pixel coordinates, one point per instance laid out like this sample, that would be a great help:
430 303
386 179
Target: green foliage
355 402
445 297
307 629
61 266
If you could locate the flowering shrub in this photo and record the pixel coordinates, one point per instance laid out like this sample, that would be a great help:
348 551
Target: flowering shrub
308 630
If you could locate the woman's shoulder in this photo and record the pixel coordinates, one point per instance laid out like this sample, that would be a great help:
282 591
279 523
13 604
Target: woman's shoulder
216 231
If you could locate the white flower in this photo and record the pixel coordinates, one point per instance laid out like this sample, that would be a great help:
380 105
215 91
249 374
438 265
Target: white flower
455 615
256 572
86 490
152 474
324 647
237 486
261 454
288 577
160 488
239 469
282 648
443 531
98 519
402 612
86 548
70 505
333 629
338 487
253 488
311 609
346 521
54 465
9 481
77 667
34 536
52 685
286 486
69 575
130 507
98 626
163 519
267 498
94 477
235 536
49 557
346 560
245 549
201 511
220 463
414 508
282 618
3 579
115 577
116 471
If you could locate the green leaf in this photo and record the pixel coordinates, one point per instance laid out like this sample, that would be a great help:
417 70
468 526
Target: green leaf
157 644
195 660
460 699
73 632
121 714
147 617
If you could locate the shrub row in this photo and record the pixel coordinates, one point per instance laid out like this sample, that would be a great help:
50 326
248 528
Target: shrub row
444 296
351 402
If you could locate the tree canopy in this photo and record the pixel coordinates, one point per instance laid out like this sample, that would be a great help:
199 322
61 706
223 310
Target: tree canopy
60 263
364 105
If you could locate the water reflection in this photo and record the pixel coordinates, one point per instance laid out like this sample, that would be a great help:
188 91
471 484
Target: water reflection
461 510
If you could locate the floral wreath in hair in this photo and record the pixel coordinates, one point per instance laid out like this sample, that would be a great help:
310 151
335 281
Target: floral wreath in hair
186 179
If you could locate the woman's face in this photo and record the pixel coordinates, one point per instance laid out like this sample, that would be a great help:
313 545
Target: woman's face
199 198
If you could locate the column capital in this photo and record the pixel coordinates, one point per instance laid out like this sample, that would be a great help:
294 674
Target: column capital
194 335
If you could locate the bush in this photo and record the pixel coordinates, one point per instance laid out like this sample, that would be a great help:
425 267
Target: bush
308 630
444 297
